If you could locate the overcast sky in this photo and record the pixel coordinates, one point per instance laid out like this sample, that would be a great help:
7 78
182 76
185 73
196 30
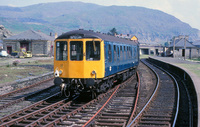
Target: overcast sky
186 10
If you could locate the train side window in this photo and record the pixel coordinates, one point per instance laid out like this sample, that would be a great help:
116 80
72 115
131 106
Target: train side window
92 50
121 55
109 53
61 50
133 52
76 50
127 52
118 52
115 53
124 53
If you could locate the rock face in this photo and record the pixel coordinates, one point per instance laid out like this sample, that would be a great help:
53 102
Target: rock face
4 33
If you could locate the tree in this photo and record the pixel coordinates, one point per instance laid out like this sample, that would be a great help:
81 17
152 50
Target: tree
113 31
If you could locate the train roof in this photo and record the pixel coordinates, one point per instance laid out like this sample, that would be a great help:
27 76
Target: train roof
77 34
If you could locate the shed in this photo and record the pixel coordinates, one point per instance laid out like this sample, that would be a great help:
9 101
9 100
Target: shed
183 48
37 42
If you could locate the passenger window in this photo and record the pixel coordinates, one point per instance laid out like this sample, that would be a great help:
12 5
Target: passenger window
124 53
61 50
115 53
109 53
76 50
92 50
132 52
121 55
118 53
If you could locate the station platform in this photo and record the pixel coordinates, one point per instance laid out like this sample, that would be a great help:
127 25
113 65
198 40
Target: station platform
190 67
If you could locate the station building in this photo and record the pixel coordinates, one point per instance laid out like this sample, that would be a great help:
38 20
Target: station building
180 47
37 42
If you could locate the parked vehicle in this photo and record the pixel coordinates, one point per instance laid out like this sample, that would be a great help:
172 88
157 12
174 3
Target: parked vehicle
3 53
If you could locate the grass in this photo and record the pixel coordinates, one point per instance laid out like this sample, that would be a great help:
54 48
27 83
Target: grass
194 59
144 56
39 62
195 68
11 73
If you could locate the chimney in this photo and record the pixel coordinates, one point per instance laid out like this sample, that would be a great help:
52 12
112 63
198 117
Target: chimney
56 35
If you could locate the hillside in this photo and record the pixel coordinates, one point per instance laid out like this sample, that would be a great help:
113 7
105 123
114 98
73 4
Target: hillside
147 24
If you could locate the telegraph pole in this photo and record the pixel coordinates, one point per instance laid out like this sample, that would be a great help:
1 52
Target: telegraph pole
174 48
186 37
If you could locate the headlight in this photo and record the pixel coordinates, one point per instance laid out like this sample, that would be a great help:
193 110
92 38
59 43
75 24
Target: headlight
56 74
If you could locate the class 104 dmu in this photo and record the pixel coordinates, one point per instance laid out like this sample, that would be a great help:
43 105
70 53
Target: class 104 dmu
90 62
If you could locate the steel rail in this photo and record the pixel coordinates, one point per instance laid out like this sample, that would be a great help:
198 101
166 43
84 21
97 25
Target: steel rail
100 108
66 116
178 92
136 100
93 117
157 85
22 89
58 120
9 117
12 102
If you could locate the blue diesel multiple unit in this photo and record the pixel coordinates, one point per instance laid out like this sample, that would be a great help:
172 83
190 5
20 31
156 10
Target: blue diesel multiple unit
87 61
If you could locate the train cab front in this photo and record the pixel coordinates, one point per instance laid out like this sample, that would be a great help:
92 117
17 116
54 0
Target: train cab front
78 64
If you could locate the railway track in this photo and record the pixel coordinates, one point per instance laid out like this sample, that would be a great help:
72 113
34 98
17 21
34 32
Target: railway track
162 107
117 107
186 115
59 111
26 94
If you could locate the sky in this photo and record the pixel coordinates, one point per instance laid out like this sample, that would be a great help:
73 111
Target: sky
187 11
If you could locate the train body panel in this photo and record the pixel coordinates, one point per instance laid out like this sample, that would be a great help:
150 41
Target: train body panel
119 57
79 66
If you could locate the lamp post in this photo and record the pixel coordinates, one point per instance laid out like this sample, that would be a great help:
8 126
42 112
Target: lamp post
186 38
174 47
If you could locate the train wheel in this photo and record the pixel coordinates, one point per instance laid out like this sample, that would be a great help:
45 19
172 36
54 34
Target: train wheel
93 94
65 90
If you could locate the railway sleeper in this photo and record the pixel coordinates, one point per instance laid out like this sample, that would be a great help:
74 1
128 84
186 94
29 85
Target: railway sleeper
110 124
113 117
114 114
117 110
156 123
111 120
155 119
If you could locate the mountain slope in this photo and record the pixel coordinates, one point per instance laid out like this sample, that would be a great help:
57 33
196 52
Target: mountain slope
146 24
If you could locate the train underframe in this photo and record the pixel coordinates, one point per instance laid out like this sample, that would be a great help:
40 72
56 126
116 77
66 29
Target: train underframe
91 87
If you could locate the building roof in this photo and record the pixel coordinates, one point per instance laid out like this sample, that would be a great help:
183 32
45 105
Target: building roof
90 34
31 35
180 43
197 42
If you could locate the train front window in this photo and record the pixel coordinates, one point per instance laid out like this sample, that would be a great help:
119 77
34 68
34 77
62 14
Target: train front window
61 50
92 50
76 50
